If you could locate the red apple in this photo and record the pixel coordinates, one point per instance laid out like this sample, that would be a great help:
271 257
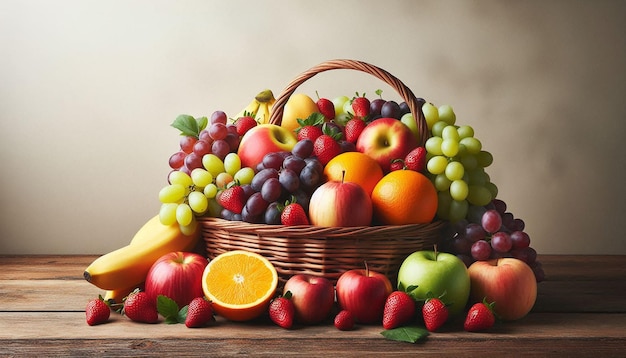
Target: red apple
508 282
339 203
386 139
263 139
363 292
312 296
177 275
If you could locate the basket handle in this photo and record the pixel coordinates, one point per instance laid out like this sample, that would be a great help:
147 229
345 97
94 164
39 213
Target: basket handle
414 104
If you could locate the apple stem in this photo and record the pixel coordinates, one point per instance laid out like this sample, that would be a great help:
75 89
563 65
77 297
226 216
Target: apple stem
367 270
343 175
435 246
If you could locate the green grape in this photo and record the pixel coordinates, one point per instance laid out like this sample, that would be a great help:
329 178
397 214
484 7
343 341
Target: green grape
450 147
437 164
469 161
484 159
244 175
465 131
431 114
172 193
438 127
213 164
450 132
493 189
459 190
477 177
222 179
446 114
198 202
178 177
433 145
339 102
167 213
201 178
190 228
442 183
232 163
443 207
478 195
210 191
472 144
215 209
454 170
184 215
458 210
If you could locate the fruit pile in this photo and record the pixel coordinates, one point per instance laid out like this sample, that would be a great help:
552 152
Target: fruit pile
341 162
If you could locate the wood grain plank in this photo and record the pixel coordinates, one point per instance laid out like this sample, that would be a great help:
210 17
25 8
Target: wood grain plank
536 334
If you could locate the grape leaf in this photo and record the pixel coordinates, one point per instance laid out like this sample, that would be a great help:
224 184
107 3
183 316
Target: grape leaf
189 126
168 308
409 334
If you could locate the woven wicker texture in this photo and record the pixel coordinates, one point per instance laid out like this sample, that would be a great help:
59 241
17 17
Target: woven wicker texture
327 251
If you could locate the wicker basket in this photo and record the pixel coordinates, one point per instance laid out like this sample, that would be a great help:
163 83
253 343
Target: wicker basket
327 251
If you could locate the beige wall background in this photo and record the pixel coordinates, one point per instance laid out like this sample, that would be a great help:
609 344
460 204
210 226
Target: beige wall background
88 90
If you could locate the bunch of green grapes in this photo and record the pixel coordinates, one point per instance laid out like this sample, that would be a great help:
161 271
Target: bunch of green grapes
456 164
190 195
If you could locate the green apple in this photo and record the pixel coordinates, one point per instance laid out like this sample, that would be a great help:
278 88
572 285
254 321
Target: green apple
439 274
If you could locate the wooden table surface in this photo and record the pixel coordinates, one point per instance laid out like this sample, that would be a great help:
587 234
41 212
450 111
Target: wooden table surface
580 311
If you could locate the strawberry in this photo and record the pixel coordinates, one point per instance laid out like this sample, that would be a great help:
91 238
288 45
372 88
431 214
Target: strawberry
199 313
97 311
233 198
480 317
344 320
140 308
327 108
353 129
282 311
293 214
310 128
396 164
244 124
326 146
361 106
416 159
399 310
435 314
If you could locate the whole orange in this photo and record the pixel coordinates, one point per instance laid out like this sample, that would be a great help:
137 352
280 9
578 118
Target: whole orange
358 167
404 197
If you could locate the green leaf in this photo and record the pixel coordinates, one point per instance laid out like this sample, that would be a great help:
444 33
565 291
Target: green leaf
168 308
182 314
408 334
187 125
202 123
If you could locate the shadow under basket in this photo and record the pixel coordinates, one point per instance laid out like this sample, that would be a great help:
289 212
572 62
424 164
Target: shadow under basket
321 251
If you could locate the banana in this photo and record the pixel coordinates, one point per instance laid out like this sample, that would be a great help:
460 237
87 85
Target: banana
252 108
129 265
119 294
263 113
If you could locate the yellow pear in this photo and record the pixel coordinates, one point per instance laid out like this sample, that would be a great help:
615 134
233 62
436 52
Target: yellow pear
300 106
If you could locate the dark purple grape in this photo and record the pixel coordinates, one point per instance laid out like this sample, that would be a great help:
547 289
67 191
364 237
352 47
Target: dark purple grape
248 217
295 163
256 205
303 198
262 176
303 148
232 129
271 190
491 221
390 109
461 245
467 260
309 177
233 141
347 146
204 135
186 143
315 164
499 205
289 180
220 148
518 225
375 107
202 147
527 254
273 160
474 232
218 131
404 109
177 159
507 220
193 161
475 213
481 250
520 239
501 242
272 214
248 190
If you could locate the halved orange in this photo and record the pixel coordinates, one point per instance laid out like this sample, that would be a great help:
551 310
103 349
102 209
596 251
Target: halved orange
240 284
